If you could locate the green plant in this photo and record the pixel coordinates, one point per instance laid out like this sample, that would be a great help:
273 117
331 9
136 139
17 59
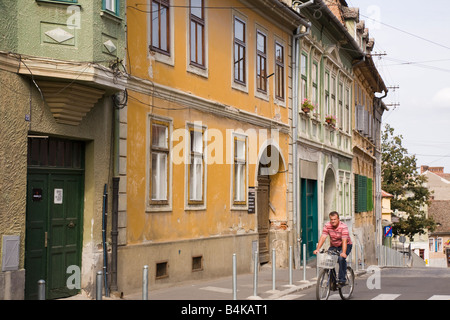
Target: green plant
307 106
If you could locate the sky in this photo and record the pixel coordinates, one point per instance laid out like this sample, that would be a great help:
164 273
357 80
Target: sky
415 37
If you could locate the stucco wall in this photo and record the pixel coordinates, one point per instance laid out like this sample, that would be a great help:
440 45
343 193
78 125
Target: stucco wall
18 98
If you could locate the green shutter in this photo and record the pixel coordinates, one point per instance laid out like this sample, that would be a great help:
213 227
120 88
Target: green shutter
362 194
356 193
369 195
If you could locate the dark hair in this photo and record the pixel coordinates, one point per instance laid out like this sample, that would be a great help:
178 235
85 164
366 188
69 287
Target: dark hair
333 213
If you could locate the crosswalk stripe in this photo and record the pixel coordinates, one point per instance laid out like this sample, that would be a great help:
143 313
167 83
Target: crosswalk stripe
291 296
439 297
386 296
217 289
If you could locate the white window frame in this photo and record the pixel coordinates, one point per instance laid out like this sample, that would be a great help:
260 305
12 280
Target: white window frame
196 204
237 204
154 205
235 84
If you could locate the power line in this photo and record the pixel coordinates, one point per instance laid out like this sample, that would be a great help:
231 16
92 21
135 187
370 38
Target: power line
407 32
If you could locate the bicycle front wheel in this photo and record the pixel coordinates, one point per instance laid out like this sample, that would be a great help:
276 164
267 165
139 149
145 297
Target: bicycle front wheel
323 285
346 291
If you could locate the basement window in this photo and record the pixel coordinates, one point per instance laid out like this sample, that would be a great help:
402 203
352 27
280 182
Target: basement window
197 263
162 270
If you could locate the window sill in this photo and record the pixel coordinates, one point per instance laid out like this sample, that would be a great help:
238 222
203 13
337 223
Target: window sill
58 2
111 16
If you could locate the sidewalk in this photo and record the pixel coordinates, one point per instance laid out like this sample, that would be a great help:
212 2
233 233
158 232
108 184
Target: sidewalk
221 289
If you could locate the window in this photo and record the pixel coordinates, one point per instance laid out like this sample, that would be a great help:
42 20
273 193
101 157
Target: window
431 244
327 93
197 38
196 166
240 171
333 95
314 75
439 247
261 62
361 194
279 71
159 171
160 36
111 5
347 111
240 48
340 114
304 76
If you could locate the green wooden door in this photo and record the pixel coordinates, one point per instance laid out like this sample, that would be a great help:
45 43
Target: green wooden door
53 236
309 216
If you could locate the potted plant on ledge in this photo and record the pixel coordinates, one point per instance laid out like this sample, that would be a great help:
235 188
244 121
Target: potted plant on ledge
307 106
330 120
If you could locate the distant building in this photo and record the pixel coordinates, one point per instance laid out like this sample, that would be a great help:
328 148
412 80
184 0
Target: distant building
439 240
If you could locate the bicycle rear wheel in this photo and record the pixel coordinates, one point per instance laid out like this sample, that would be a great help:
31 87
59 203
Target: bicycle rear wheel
323 285
346 291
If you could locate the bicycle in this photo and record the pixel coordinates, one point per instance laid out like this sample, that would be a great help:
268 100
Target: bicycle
326 281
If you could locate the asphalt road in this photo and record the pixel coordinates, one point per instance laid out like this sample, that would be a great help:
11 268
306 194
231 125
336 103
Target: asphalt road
396 284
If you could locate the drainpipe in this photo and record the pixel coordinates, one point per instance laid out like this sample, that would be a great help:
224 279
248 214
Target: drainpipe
295 56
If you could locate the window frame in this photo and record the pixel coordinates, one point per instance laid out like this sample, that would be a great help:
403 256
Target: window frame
116 6
280 73
261 79
304 75
237 204
192 203
198 21
167 5
240 44
156 204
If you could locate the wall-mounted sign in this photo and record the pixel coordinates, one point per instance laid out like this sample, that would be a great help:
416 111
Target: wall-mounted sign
251 199
58 196
37 194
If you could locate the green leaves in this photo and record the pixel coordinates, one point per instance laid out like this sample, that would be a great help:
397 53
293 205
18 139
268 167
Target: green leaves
401 179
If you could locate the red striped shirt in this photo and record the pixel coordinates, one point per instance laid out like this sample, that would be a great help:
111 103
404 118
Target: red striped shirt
336 234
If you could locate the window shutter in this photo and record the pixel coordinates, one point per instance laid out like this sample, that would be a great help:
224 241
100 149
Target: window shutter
356 192
369 195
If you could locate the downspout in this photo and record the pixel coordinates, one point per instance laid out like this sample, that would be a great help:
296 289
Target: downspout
295 107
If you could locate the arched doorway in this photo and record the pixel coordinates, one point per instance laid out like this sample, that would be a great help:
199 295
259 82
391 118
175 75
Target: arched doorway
271 196
329 193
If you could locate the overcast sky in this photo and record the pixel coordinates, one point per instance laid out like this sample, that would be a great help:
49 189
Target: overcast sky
415 37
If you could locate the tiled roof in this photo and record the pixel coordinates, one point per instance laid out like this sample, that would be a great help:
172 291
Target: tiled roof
439 210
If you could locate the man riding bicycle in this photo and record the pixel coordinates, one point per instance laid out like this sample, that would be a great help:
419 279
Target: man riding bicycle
339 240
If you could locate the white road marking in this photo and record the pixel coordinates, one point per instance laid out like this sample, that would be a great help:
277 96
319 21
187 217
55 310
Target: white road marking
439 297
291 296
386 296
217 289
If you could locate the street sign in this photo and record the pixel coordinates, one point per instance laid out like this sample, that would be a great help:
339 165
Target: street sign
387 231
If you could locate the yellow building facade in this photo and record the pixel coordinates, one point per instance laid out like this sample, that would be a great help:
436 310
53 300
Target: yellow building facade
208 138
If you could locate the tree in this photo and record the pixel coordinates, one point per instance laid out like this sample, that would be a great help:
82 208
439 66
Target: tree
401 179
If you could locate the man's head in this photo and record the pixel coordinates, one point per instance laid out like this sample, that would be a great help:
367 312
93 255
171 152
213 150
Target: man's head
334 219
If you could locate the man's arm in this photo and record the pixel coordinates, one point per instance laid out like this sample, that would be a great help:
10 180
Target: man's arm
320 244
344 248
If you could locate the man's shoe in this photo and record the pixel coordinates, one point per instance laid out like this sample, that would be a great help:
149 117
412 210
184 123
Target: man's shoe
340 284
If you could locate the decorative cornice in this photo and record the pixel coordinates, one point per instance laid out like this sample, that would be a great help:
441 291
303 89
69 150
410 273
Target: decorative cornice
204 105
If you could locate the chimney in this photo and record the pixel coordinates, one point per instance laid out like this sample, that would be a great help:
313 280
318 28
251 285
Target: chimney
423 169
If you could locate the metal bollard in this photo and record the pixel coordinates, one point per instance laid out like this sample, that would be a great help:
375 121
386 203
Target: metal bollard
41 290
234 278
273 268
290 265
317 263
99 286
145 283
304 261
255 275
